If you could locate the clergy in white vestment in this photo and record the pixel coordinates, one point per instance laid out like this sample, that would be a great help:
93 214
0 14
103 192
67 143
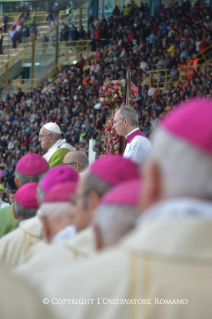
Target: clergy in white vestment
162 269
14 245
103 175
126 124
31 233
50 137
117 213
57 213
30 168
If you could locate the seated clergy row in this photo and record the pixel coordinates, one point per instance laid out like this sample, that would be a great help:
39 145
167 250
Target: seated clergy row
121 232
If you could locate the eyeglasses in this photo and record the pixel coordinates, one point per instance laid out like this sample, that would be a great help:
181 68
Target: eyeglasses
40 137
69 163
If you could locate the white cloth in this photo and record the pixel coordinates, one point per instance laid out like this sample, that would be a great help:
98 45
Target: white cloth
19 301
23 222
66 233
170 259
41 264
3 204
59 144
15 245
176 208
138 149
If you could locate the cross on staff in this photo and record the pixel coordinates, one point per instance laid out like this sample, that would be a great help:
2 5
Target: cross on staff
127 101
127 89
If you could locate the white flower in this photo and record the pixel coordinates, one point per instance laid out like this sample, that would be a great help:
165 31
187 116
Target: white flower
115 95
101 99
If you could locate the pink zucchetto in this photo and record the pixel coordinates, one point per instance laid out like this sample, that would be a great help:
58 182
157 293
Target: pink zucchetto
26 195
32 164
58 175
60 193
192 122
124 194
115 169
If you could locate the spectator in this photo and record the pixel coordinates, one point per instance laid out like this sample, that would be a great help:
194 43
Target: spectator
13 36
56 13
49 15
1 43
68 13
25 33
33 31
5 22
81 33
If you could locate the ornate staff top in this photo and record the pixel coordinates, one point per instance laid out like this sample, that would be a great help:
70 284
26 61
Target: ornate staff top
127 90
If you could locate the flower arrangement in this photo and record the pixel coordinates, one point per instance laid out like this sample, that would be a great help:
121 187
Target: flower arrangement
111 94
111 138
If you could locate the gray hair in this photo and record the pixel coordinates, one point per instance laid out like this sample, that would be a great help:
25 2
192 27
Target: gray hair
25 179
126 112
114 222
54 210
80 158
56 135
24 212
94 183
186 170
40 194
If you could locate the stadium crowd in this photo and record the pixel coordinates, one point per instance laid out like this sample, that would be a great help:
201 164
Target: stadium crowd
128 236
127 40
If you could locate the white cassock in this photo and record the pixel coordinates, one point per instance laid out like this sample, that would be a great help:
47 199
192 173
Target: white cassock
138 146
165 261
18 301
15 245
43 261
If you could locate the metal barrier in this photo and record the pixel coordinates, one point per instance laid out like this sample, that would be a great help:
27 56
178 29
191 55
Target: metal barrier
45 52
70 50
26 85
161 78
38 16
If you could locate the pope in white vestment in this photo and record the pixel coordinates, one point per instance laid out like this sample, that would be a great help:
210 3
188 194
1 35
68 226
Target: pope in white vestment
56 149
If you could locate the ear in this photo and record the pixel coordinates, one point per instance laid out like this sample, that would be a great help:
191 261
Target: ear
76 167
46 229
18 183
126 122
94 201
152 185
14 214
98 239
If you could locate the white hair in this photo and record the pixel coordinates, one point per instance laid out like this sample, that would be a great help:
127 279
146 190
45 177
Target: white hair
185 170
54 210
114 222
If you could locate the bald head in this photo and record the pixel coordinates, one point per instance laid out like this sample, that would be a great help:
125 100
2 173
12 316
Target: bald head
77 160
